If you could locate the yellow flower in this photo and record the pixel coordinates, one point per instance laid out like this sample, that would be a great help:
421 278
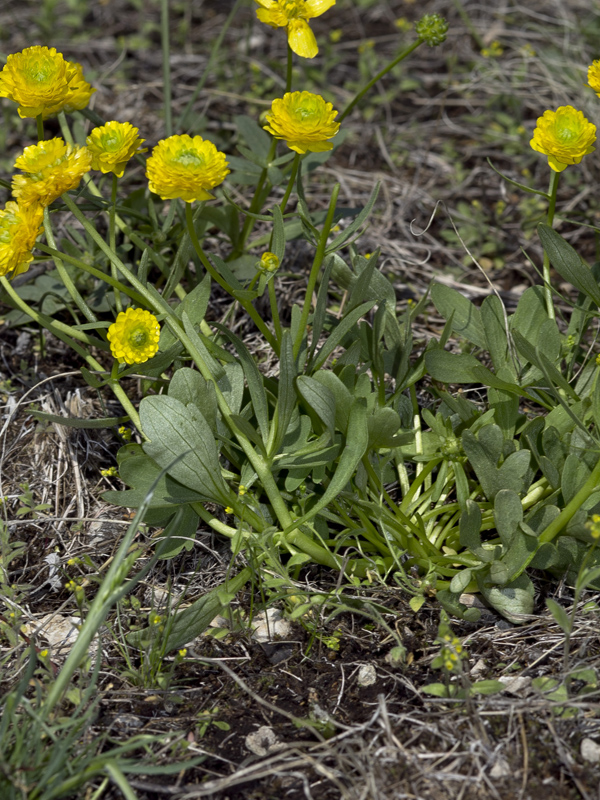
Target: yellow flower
53 167
593 76
268 262
294 15
42 82
134 336
186 167
112 145
565 136
304 120
19 228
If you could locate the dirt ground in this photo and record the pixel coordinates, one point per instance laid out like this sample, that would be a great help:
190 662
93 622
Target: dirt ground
321 709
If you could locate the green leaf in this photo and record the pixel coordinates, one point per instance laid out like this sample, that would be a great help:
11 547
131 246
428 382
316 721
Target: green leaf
337 334
178 534
560 615
514 601
466 317
460 581
487 687
343 398
494 325
181 434
357 440
286 395
508 513
320 399
437 690
78 422
257 140
186 625
530 315
470 525
254 380
353 228
568 263
188 386
383 425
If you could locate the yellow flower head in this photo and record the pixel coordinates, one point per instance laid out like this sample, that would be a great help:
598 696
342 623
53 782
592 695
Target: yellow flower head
112 145
19 228
269 262
294 15
134 336
565 136
304 120
186 167
593 76
42 82
53 167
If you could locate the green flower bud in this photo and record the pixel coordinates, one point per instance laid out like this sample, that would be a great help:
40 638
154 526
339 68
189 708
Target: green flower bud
432 29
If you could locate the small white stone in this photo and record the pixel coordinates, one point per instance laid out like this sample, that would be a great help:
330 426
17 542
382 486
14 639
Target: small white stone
516 684
263 741
590 750
269 625
367 675
500 769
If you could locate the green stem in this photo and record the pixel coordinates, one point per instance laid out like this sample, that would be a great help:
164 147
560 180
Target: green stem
358 97
56 327
554 528
255 204
246 304
291 182
65 277
154 301
275 312
123 398
166 67
112 239
137 298
316 266
552 190
288 71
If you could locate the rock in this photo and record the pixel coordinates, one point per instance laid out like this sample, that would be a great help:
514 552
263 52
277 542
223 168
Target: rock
516 684
269 625
367 675
590 750
500 769
263 741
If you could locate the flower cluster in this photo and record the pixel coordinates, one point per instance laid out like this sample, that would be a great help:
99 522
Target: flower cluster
19 228
304 120
134 336
51 168
565 136
43 83
432 29
293 15
186 167
112 145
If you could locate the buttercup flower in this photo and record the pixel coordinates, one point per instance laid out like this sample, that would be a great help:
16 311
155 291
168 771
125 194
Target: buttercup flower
112 145
42 82
294 15
134 336
19 228
304 120
186 167
53 167
593 76
432 29
565 136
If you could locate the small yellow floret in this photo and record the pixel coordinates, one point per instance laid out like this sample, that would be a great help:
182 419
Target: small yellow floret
52 168
42 82
134 336
112 145
186 167
565 136
304 120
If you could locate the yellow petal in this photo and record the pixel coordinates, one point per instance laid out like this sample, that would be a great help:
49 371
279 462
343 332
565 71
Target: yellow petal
301 39
557 166
314 8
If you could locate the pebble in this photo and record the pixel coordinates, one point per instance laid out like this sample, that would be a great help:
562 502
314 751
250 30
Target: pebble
367 675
